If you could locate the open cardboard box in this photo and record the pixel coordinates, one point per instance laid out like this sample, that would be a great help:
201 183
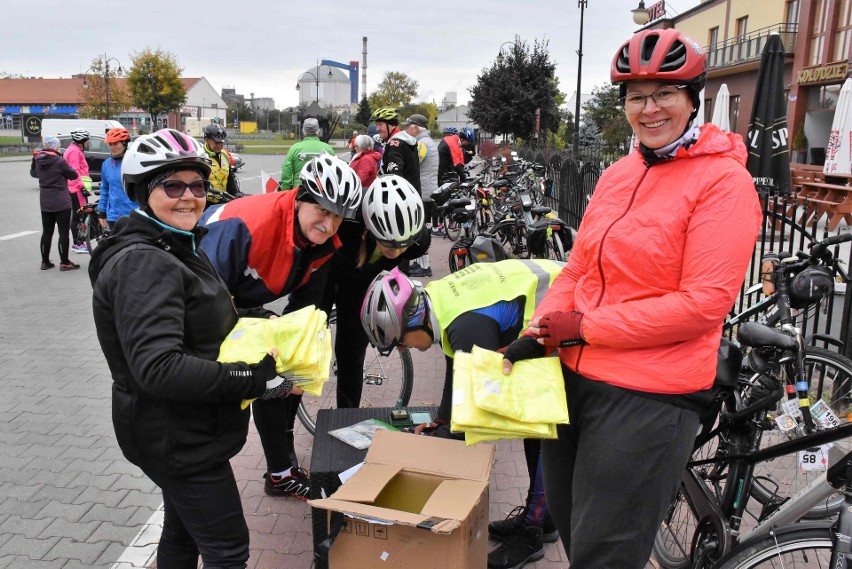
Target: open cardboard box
417 502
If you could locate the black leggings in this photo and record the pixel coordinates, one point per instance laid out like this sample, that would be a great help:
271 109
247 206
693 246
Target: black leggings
613 471
74 218
203 516
62 220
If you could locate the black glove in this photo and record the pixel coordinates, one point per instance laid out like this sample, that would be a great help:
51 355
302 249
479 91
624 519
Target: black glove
264 370
524 348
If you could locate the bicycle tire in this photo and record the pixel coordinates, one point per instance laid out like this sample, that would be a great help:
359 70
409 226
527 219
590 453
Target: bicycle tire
396 372
93 231
554 249
675 539
830 377
459 256
790 544
452 228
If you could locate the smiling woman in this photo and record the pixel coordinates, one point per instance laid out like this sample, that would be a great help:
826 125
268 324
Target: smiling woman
161 314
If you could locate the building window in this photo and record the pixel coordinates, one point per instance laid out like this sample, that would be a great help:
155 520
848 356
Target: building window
818 33
792 11
735 112
742 27
843 38
713 37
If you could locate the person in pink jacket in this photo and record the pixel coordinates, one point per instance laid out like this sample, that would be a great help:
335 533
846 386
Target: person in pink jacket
365 162
80 187
637 312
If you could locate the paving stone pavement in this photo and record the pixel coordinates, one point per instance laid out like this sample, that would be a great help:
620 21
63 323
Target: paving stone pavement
68 498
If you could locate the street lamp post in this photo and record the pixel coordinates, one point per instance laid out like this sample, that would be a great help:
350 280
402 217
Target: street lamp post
576 145
500 57
106 61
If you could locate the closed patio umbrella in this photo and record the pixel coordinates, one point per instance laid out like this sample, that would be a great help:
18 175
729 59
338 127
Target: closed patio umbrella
722 109
768 150
838 152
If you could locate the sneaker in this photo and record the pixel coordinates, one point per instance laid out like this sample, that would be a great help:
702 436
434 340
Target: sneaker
80 248
500 529
419 272
438 231
524 545
69 266
46 265
297 484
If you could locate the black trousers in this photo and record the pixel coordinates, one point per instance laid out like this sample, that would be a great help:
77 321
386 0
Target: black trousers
274 420
613 472
62 221
203 516
75 218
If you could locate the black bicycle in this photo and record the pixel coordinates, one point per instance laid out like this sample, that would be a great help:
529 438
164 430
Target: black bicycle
89 229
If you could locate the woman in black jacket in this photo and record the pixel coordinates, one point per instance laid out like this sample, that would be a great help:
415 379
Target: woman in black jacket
161 313
53 173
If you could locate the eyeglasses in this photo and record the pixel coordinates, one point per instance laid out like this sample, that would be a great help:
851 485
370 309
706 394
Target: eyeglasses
175 188
663 97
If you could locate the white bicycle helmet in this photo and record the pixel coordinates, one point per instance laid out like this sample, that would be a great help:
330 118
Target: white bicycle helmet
390 302
151 154
332 184
393 211
80 135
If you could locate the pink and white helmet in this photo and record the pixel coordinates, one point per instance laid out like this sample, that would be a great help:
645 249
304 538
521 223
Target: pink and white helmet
389 303
151 154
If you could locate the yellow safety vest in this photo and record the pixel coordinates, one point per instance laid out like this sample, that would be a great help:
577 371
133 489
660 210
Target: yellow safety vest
221 169
483 284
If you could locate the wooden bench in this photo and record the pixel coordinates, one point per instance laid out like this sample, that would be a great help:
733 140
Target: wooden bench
830 199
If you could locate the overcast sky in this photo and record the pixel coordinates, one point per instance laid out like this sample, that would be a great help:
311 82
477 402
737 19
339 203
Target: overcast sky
262 47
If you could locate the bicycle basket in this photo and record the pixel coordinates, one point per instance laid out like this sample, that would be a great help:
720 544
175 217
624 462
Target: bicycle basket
810 285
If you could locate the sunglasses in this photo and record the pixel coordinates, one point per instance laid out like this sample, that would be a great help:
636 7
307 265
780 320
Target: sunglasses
175 188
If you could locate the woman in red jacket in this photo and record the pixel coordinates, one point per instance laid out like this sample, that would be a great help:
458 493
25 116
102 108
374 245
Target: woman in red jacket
637 312
365 162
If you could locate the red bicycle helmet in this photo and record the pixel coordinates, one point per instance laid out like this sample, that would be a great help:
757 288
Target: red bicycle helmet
117 135
664 55
661 55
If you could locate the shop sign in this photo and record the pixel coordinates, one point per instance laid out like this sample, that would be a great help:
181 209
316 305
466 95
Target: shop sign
821 73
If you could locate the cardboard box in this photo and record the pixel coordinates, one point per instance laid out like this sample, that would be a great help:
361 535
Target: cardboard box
417 502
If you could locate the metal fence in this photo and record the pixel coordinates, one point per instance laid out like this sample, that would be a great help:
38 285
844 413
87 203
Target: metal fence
786 227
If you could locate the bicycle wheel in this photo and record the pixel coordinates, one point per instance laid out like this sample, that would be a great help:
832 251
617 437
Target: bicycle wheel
799 547
452 228
675 538
386 381
555 250
459 256
830 378
93 231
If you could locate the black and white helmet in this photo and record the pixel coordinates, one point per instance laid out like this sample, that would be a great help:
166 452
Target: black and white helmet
151 154
393 211
329 182
80 135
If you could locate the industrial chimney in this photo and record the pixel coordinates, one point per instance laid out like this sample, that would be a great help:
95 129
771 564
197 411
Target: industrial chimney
364 68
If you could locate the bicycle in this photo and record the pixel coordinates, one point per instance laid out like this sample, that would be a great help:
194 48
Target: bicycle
703 527
526 230
89 229
387 380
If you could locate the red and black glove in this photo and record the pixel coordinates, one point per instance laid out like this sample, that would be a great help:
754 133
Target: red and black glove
561 329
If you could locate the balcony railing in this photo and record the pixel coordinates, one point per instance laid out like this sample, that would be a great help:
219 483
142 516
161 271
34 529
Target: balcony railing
741 49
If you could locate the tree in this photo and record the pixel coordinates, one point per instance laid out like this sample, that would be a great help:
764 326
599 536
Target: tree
604 110
94 94
395 90
154 82
428 110
506 96
364 113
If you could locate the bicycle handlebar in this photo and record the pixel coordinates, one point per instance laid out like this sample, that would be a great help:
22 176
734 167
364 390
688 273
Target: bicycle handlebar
817 249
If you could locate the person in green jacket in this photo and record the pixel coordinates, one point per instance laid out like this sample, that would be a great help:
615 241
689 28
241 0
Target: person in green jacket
302 152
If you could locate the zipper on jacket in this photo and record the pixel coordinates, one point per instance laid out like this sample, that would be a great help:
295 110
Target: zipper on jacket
600 255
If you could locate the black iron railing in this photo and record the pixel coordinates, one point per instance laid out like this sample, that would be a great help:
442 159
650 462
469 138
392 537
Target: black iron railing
741 49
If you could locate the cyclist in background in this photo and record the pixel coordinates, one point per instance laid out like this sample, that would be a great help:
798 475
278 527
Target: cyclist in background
466 143
114 201
450 155
637 313
485 305
267 246
80 187
301 153
392 232
222 177
401 155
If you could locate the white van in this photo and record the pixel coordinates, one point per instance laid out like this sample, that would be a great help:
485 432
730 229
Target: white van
57 127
